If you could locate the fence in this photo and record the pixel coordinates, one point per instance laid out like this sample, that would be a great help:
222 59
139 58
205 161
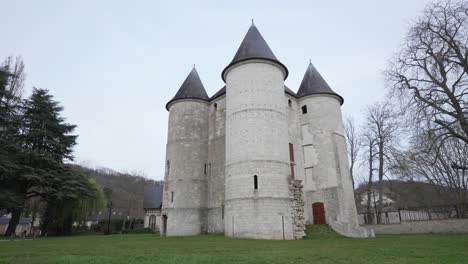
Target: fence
415 214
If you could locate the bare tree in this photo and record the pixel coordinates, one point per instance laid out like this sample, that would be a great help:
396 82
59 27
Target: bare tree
430 73
15 84
445 168
368 144
353 145
383 127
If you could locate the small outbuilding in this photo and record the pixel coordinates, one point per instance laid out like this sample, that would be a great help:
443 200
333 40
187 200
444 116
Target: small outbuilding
152 203
23 225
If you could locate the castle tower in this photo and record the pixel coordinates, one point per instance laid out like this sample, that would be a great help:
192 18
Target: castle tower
257 202
327 181
184 201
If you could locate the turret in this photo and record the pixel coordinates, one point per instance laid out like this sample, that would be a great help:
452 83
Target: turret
327 182
257 202
184 200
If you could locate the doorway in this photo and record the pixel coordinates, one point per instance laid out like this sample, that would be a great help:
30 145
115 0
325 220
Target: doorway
164 226
318 211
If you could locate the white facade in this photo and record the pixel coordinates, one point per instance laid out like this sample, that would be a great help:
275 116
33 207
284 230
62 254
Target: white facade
152 219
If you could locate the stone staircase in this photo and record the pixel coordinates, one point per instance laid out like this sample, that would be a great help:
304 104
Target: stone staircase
297 204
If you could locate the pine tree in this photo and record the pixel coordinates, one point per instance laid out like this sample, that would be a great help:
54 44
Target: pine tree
10 150
45 143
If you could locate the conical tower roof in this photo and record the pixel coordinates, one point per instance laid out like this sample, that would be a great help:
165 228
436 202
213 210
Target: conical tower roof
192 88
254 46
313 83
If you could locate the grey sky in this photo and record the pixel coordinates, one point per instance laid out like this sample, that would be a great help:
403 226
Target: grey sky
113 64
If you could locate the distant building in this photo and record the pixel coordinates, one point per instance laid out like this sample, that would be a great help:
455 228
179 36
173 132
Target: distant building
23 225
256 159
152 205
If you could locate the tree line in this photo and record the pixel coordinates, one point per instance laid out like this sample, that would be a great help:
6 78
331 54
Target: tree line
420 132
35 144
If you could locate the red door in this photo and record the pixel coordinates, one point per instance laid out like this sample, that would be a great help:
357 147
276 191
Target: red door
318 211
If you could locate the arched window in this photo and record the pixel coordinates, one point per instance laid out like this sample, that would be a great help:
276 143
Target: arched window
215 106
255 182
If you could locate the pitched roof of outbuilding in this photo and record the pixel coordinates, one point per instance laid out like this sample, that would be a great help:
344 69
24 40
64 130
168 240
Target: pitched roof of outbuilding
254 46
152 198
192 88
22 221
313 83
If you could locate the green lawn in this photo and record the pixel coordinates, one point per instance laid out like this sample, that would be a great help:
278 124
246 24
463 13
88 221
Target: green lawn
219 249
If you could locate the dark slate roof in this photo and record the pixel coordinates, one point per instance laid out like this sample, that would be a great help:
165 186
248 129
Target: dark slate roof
313 83
153 196
22 221
289 91
192 88
222 92
254 46
219 93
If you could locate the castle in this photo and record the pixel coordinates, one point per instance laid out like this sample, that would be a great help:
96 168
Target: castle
257 160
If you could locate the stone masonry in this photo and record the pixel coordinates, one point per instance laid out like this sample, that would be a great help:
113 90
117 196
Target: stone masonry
297 214
251 160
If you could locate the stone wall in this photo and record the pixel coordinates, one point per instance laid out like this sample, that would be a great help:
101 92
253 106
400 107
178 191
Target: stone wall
216 165
185 187
297 213
422 227
257 148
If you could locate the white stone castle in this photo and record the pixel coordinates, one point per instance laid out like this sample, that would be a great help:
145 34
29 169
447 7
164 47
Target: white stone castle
257 160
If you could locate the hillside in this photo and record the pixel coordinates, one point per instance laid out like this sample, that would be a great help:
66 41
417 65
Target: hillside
126 191
402 194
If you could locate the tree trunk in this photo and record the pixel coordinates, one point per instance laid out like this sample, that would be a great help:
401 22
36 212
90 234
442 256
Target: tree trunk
381 173
14 221
369 187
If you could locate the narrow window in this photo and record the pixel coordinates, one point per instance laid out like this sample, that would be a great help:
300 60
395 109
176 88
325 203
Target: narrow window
222 211
304 109
168 166
255 182
215 106
291 159
172 197
204 170
289 103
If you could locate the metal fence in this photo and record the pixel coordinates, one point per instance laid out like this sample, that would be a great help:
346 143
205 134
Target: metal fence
415 214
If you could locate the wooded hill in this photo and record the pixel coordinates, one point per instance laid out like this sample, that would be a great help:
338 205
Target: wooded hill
407 194
125 190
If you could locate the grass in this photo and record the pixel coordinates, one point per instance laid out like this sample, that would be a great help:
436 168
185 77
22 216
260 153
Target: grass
324 247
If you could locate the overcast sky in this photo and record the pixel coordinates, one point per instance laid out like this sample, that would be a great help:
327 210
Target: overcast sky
113 64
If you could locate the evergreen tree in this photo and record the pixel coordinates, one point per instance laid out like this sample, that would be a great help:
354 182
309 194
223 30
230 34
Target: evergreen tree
10 199
45 143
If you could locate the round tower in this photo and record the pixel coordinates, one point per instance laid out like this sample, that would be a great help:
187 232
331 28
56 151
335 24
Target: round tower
327 182
257 201
184 201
